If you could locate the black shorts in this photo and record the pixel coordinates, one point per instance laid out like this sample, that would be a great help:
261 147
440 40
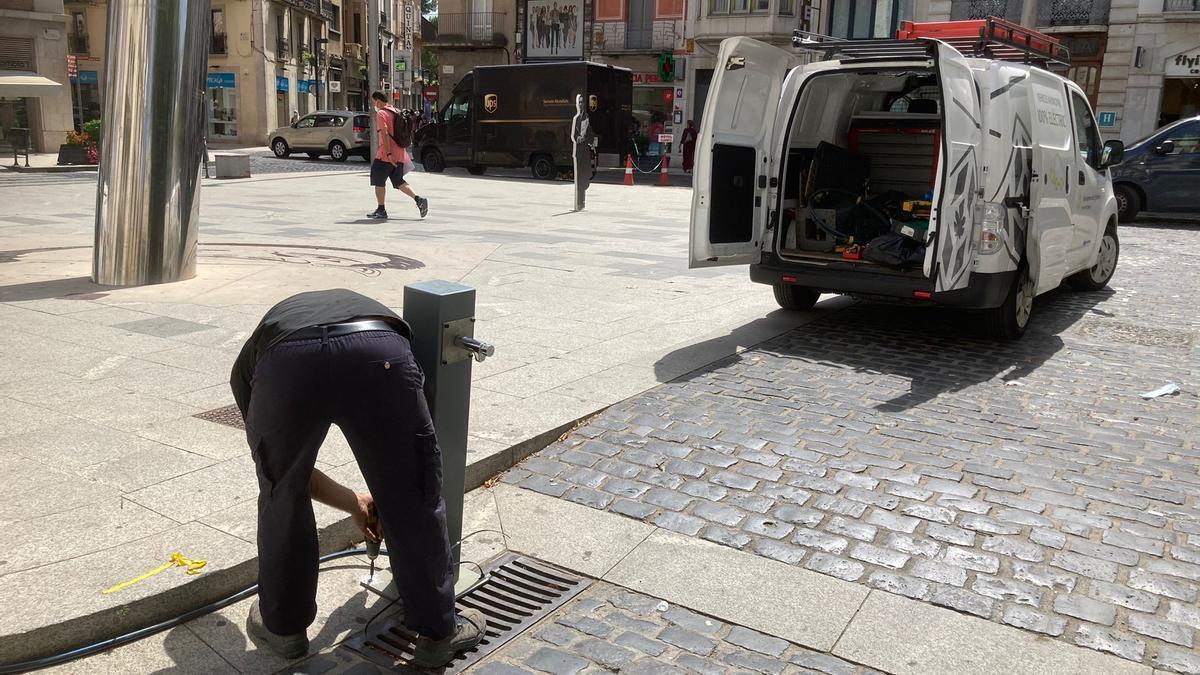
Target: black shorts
381 171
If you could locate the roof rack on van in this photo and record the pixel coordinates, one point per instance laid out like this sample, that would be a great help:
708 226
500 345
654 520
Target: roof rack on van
992 38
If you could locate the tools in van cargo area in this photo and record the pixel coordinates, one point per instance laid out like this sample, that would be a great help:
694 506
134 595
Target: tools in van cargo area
917 230
895 250
919 208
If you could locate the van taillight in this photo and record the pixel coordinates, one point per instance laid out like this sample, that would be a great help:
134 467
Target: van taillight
923 295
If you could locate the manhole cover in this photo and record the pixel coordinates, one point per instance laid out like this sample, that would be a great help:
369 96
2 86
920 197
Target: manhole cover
516 593
230 416
1137 334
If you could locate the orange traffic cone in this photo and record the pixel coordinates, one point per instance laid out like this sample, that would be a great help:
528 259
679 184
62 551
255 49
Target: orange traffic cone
662 176
629 169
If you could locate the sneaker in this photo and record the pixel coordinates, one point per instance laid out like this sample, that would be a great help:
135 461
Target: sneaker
423 205
468 632
288 646
379 212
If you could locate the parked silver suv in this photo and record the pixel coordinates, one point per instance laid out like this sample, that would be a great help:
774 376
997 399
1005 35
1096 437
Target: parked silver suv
337 133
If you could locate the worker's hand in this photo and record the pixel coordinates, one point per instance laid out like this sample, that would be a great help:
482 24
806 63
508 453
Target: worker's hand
366 518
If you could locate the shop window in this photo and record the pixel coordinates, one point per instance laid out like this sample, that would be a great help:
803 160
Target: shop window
610 10
223 119
1180 99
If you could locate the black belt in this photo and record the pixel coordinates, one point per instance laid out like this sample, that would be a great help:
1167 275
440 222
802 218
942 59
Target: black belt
332 330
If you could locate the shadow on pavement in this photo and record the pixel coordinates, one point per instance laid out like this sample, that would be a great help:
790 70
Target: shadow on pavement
937 350
76 288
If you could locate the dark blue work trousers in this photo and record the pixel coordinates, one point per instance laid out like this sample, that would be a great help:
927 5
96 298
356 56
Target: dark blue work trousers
369 385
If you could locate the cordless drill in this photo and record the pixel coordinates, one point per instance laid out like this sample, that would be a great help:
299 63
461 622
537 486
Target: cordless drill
372 554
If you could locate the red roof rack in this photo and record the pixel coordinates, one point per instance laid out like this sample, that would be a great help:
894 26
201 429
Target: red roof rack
992 38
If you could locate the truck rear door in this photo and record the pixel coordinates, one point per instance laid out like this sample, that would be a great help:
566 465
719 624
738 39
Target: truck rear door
1051 231
729 204
952 221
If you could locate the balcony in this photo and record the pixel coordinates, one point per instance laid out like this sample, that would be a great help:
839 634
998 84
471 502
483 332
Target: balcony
1009 10
1073 12
354 51
77 43
479 29
766 26
1181 5
218 44
283 49
617 38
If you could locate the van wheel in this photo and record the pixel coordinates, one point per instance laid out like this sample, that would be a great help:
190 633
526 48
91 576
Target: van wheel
542 167
280 148
1098 275
433 161
1128 203
1009 320
476 170
337 150
799 298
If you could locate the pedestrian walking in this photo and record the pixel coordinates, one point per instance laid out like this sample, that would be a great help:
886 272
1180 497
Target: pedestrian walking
338 357
392 160
582 139
687 141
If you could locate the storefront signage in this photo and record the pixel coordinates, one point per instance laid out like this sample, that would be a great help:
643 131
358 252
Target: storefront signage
281 83
646 78
72 66
335 87
302 86
1106 119
665 138
89 77
1184 65
431 95
221 80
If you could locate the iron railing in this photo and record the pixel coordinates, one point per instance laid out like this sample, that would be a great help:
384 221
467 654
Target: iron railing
77 43
1181 5
218 44
1009 10
654 38
283 48
1072 12
478 28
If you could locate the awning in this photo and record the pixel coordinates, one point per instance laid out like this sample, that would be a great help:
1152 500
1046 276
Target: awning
18 83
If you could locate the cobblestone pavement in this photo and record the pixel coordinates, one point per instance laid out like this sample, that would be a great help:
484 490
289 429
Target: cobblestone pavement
1026 483
609 629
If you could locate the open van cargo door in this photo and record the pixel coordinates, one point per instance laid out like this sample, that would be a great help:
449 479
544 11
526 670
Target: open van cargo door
729 205
952 222
1050 231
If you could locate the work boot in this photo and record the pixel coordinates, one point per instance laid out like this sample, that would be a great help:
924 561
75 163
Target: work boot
379 213
288 646
468 631
423 206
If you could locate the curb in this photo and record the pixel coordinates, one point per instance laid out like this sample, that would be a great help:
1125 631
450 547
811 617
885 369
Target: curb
66 168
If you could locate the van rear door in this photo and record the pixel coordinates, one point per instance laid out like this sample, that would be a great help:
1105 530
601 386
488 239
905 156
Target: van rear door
729 205
1051 233
952 222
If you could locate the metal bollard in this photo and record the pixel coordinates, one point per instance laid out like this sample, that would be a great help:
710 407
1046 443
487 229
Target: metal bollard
442 317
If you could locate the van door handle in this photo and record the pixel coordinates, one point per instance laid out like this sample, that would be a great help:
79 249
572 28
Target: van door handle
1082 181
1067 180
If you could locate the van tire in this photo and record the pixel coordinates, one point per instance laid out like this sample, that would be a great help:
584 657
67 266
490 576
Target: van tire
1011 318
337 150
1129 202
542 167
796 298
280 148
476 170
433 161
1098 275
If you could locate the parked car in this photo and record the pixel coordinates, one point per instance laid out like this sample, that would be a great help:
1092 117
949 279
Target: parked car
337 133
866 173
1161 172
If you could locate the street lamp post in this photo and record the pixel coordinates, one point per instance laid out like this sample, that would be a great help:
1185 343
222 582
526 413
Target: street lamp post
319 55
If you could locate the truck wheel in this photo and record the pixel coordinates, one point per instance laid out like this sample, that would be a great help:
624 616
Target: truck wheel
542 167
337 150
1128 203
476 170
280 148
1098 275
1009 320
799 298
433 161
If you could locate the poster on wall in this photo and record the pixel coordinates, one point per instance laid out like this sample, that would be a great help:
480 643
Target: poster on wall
554 29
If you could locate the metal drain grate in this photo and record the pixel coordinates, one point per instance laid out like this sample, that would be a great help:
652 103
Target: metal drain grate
516 593
230 416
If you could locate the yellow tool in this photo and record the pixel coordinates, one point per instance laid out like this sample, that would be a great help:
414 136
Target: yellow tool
177 560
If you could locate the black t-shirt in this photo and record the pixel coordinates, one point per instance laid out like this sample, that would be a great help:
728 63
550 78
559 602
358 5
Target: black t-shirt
315 308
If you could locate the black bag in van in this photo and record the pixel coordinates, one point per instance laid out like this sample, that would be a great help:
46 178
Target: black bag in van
895 250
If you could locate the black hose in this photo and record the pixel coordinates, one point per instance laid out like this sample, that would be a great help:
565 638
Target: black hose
120 640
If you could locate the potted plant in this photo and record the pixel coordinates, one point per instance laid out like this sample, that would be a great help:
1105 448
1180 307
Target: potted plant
74 151
91 129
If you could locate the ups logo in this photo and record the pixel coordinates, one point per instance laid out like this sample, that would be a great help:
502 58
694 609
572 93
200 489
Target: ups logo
593 103
491 102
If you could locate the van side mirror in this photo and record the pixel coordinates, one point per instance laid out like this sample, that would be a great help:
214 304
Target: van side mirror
1114 152
1165 148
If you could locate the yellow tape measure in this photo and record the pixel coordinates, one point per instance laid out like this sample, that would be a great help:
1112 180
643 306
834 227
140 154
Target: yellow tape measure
177 560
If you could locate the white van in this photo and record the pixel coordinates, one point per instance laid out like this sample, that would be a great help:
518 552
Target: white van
902 169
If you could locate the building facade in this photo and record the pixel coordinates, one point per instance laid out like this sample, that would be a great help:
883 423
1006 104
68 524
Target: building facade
469 33
34 84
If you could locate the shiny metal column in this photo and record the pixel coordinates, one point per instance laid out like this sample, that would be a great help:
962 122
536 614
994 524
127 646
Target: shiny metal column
152 144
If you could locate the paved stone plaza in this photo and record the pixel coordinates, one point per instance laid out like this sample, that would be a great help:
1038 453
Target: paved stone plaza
1026 483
